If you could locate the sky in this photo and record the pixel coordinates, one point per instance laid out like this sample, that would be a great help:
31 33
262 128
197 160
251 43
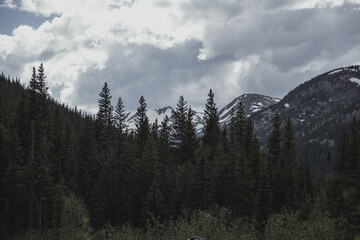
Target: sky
162 49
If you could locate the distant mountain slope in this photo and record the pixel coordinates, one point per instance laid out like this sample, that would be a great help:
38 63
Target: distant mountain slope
319 109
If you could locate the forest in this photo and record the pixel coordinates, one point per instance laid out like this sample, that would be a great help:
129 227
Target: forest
67 174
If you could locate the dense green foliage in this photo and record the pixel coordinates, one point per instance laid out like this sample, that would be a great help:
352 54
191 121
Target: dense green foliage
69 175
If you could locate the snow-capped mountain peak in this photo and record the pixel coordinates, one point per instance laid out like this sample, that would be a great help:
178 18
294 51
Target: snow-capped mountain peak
252 104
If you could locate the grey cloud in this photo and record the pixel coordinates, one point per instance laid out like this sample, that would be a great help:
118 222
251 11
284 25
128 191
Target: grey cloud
147 71
292 46
294 37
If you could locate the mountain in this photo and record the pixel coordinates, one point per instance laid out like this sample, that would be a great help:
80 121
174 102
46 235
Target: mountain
252 104
319 109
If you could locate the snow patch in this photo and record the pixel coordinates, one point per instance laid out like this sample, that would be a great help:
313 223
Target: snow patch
286 105
336 71
356 80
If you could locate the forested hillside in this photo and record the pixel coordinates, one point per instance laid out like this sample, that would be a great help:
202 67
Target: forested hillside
66 174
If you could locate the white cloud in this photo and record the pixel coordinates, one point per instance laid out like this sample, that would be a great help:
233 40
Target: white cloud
169 48
8 4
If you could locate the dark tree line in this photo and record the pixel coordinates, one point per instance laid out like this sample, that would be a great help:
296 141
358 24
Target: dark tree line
49 151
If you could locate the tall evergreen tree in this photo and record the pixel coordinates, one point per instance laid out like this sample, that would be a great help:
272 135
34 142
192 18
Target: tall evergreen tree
190 142
264 198
178 135
103 190
275 162
347 176
164 141
142 125
120 116
238 126
179 126
166 180
41 85
203 190
38 151
105 113
212 133
290 183
275 142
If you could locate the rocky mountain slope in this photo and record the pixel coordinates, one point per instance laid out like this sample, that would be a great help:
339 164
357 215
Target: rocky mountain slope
319 109
252 103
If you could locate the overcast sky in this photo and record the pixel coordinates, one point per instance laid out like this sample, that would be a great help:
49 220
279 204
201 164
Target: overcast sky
162 49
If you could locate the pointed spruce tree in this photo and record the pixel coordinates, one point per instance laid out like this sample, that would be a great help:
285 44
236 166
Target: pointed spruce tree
120 116
190 141
274 162
212 132
290 183
142 125
178 133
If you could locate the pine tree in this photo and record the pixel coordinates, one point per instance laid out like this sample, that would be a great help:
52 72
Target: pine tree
225 140
105 170
146 154
290 184
40 165
190 142
105 114
33 85
164 141
275 163
354 149
13 185
203 190
178 135
264 196
155 202
179 116
154 131
120 116
347 176
166 163
239 125
274 145
41 85
212 133
142 125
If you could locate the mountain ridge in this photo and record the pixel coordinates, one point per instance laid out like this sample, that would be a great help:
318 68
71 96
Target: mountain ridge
252 103
319 108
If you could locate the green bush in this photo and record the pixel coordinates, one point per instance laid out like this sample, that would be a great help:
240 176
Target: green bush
74 223
215 224
37 235
287 226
